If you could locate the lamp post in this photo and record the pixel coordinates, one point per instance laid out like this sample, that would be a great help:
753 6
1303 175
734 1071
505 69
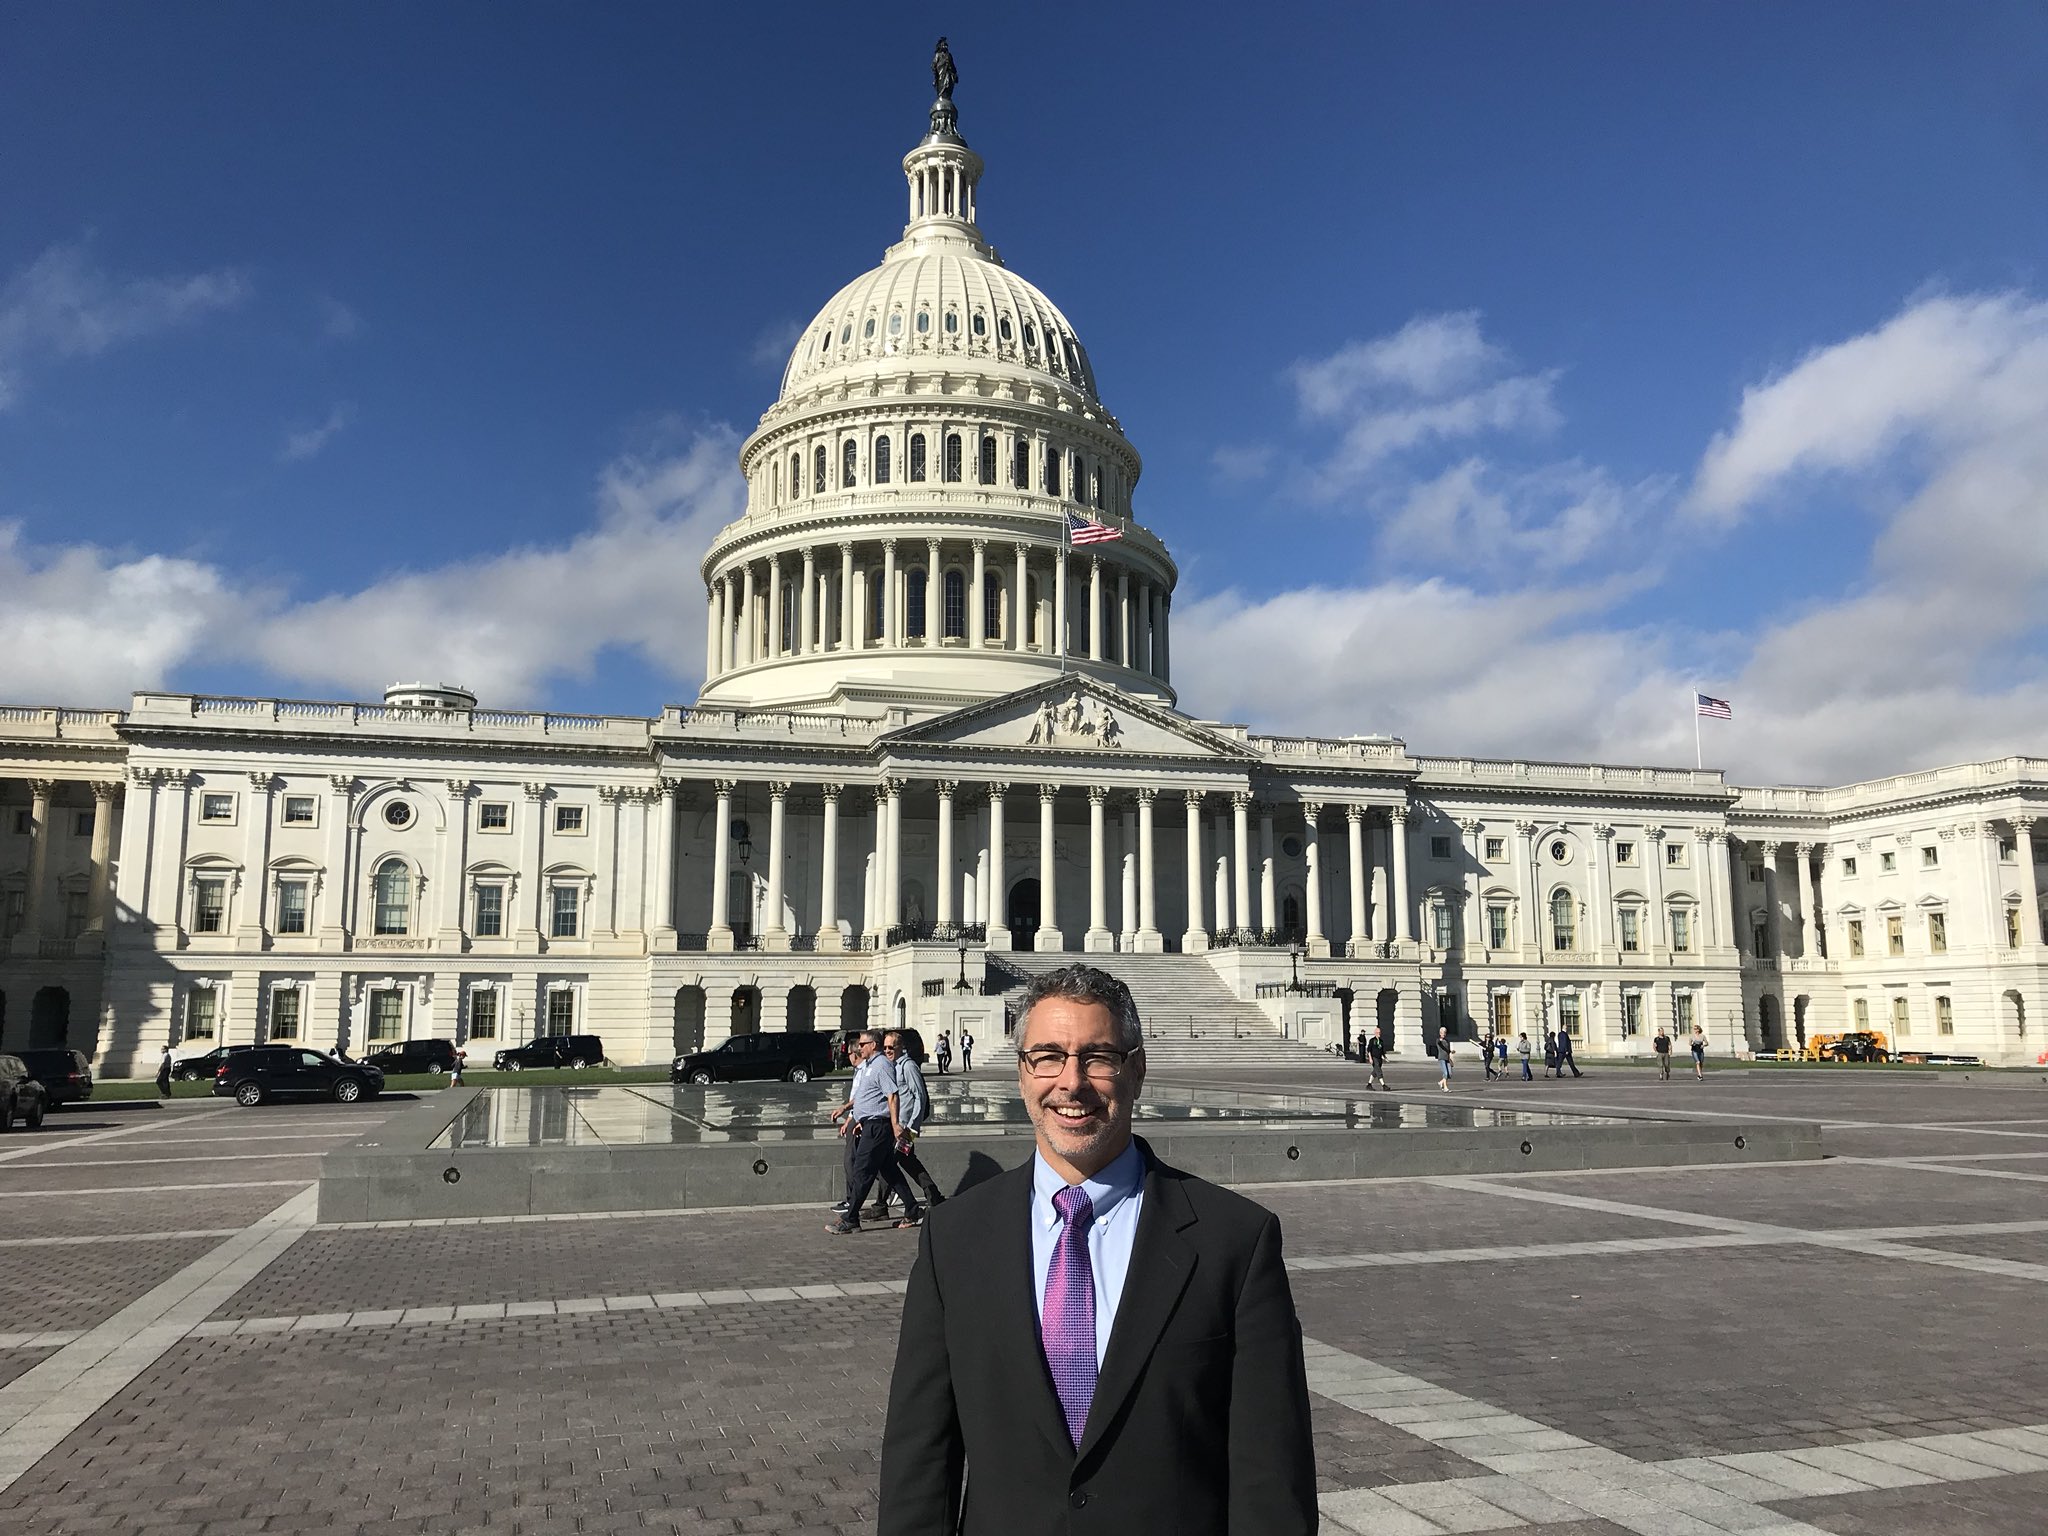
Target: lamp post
962 985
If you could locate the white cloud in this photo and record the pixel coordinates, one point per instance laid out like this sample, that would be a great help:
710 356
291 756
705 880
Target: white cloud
1251 461
1547 520
303 444
337 320
773 344
62 305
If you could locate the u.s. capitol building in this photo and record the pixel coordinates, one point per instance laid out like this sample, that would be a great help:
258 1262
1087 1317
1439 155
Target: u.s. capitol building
938 742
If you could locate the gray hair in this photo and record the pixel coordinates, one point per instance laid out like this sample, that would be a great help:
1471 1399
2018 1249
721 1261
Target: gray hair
1086 984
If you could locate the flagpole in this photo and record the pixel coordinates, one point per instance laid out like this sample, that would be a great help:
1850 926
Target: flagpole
1698 757
1064 576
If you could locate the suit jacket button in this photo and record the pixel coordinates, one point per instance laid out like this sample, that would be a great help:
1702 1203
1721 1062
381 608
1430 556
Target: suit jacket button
1078 1500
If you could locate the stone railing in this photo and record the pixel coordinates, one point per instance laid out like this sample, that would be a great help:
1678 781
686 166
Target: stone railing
49 724
765 722
1617 776
1339 749
300 714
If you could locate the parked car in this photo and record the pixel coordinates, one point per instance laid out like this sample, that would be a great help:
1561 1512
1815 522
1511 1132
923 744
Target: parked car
576 1051
191 1069
1856 1046
21 1096
435 1056
66 1076
795 1057
294 1072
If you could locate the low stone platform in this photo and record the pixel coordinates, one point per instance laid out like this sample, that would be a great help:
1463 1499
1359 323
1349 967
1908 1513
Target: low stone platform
536 1151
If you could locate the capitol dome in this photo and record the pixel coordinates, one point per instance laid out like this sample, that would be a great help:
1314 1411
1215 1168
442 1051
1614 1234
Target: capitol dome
939 508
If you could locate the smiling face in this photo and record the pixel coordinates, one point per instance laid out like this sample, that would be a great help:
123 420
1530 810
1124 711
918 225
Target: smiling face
1083 1121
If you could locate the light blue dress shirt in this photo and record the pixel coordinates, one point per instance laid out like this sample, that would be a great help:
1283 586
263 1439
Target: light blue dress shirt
1118 1194
874 1081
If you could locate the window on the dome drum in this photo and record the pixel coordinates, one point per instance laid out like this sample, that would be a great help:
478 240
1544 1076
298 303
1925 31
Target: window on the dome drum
956 606
952 465
916 456
796 474
867 332
846 333
846 457
1052 472
1003 327
991 605
979 323
913 604
1080 478
818 468
896 324
1030 334
924 321
1020 466
881 461
988 461
952 322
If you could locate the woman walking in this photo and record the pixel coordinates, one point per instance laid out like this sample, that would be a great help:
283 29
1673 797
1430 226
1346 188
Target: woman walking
1699 1053
1443 1051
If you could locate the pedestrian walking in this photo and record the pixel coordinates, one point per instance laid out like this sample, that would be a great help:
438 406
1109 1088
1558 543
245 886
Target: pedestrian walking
943 1055
1661 1044
1564 1054
1500 1045
1486 1055
455 1072
871 1112
1522 1047
913 1108
1443 1051
966 1051
163 1075
1549 1052
1376 1055
1699 1054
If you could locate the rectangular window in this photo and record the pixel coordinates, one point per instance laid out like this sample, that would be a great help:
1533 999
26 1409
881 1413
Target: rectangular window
1631 932
494 816
1930 858
1631 1013
1849 868
561 1012
1902 1016
1887 863
291 906
490 911
483 1014
1944 1016
563 913
1681 930
1439 847
1568 1013
74 913
952 459
569 818
1937 933
24 823
81 824
1497 926
209 905
13 909
2008 850
1674 855
1496 847
917 457
1895 935
1440 923
1503 1013
1624 853
1860 1012
1756 874
1855 938
284 1013
2012 927
387 1014
201 1005
1020 466
1682 1011
299 810
216 807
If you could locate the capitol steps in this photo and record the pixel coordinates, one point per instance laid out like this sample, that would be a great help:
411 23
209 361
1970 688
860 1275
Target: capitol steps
1192 1019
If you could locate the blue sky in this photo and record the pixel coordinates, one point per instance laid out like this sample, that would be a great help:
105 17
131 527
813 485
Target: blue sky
1500 371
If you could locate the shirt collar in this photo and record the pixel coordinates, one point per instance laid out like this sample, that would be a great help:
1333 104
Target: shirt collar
1107 1190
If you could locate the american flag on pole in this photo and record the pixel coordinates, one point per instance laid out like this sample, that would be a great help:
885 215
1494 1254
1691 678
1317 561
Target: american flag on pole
1713 709
1082 529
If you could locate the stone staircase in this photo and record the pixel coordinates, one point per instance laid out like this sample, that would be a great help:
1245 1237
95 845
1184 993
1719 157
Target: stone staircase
1191 1018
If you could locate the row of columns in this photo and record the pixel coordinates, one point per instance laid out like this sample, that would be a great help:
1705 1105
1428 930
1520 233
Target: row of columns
744 615
35 918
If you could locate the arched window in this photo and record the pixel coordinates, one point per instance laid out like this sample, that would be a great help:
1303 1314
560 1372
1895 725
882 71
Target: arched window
1030 335
952 322
1562 915
991 605
1052 472
979 323
1080 479
896 324
881 461
846 457
924 322
988 460
956 606
1020 466
818 468
796 474
913 606
1003 327
867 332
917 457
952 465
393 897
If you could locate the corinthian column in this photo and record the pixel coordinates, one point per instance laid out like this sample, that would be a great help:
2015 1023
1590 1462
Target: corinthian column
1194 939
774 935
1404 916
1354 847
1312 880
1049 935
1097 939
1149 942
998 926
944 913
720 936
1241 861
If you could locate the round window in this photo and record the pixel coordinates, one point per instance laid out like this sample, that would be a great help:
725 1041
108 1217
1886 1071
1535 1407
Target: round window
924 321
867 331
896 325
1003 327
1291 846
1561 850
398 814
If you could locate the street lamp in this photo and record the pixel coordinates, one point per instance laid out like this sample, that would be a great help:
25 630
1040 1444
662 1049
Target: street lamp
1294 953
962 984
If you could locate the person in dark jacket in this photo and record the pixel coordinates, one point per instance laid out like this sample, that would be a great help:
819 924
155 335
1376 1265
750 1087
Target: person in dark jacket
1564 1054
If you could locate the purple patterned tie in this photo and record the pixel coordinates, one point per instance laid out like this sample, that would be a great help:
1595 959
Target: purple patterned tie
1067 1328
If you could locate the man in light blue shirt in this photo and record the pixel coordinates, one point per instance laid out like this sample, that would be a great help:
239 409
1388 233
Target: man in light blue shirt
1118 1195
872 1108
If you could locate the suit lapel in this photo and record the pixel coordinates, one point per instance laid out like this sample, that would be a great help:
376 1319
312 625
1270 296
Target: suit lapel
1014 1309
1162 1262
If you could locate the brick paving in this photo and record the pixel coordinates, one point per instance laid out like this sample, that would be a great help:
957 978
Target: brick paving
745 1415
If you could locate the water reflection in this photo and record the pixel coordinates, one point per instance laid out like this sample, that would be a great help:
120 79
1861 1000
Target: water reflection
784 1112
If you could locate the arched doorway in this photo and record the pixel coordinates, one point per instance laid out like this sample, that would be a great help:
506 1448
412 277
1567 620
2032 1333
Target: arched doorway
1384 1005
49 1019
689 1020
746 1010
1767 1022
902 1012
1024 914
1799 1019
1291 925
2017 1014
853 1008
803 1008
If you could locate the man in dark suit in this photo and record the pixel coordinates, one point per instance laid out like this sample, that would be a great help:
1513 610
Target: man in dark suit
1094 1340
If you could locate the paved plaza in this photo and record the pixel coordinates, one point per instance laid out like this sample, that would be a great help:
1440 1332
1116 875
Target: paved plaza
1847 1346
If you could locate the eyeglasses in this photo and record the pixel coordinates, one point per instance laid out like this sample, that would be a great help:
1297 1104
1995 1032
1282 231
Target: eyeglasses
891 1050
1098 1061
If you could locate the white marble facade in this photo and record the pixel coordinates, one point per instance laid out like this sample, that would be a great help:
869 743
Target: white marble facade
933 727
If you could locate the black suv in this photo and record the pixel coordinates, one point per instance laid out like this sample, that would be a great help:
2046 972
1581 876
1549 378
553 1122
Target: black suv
797 1057
21 1096
190 1069
551 1051
65 1075
294 1072
435 1056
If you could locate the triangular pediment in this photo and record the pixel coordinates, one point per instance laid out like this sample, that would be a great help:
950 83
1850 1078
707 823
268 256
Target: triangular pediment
1071 718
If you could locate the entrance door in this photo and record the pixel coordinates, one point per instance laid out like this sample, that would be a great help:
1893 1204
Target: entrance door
1024 914
49 1019
1384 1007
